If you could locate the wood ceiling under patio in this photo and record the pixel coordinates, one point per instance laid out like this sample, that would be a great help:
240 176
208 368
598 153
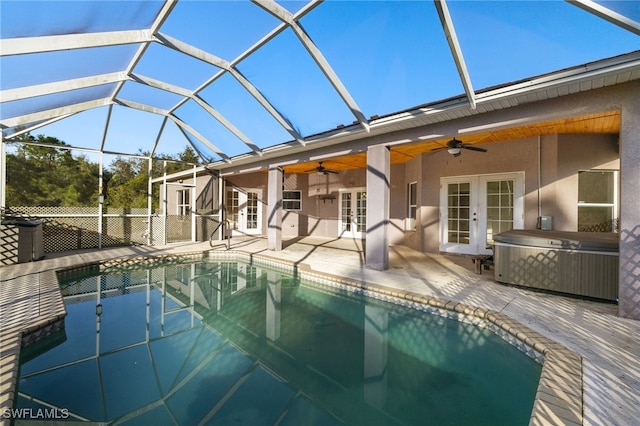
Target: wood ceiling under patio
602 122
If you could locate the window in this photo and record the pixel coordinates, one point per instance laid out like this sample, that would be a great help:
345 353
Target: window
458 208
232 207
184 203
500 207
292 200
597 201
252 210
412 206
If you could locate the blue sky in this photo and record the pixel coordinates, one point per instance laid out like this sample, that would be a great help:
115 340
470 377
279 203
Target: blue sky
390 55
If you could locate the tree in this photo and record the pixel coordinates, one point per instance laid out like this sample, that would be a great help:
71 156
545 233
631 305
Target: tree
177 163
41 175
47 174
126 186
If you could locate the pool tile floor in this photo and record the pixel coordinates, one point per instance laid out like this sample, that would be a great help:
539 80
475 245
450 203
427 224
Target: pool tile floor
593 379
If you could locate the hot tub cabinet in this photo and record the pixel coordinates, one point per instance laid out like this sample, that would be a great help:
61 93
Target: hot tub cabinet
577 263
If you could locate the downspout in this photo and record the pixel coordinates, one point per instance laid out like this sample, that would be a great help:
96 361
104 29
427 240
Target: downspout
539 220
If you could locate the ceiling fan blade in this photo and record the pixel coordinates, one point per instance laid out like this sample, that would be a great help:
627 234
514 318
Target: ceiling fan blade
473 148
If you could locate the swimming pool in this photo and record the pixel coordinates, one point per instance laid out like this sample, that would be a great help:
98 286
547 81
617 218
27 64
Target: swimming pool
233 343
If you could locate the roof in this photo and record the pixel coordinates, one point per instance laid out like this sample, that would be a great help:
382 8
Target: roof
238 80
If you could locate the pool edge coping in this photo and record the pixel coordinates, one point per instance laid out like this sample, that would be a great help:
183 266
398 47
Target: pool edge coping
559 396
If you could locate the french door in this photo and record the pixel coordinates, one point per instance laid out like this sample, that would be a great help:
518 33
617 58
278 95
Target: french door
243 210
353 213
475 208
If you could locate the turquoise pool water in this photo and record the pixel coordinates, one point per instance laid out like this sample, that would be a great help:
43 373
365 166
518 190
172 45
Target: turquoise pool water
227 343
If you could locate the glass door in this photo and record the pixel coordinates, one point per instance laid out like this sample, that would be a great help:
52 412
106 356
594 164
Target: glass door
475 208
244 211
499 207
353 213
459 216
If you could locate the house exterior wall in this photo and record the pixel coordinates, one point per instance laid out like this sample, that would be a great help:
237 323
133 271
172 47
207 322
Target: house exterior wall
576 153
562 157
398 204
257 181
413 173
320 211
206 195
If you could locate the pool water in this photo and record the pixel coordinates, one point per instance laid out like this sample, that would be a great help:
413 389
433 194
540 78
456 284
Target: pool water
227 343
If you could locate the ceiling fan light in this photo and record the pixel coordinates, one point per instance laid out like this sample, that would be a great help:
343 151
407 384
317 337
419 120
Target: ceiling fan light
454 151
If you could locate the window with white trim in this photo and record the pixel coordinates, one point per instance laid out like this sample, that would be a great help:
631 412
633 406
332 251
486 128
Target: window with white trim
184 202
412 205
292 200
597 200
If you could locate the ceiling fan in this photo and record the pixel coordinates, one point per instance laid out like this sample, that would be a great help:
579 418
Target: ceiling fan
454 146
321 170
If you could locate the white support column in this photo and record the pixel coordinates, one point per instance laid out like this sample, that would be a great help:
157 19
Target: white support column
149 201
221 208
629 272
100 199
193 208
164 202
3 174
274 209
378 186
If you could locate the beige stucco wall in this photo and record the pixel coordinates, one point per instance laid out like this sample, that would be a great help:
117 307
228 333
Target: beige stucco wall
576 153
321 201
322 205
562 156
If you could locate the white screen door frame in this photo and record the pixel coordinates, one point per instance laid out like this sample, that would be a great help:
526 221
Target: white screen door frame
244 211
474 208
352 214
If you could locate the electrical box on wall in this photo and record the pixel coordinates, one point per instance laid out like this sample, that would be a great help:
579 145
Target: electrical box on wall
546 223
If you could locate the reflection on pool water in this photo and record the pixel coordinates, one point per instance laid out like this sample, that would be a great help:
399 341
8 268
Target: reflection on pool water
231 343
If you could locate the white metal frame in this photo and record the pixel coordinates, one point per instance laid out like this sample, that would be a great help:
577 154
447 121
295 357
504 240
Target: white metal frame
143 38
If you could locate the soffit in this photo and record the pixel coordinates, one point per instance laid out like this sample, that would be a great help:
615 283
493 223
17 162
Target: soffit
603 122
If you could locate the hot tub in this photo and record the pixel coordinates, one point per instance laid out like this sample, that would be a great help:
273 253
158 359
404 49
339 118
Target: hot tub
577 263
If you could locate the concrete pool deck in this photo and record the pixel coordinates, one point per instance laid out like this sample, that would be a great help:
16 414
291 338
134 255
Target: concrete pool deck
608 346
